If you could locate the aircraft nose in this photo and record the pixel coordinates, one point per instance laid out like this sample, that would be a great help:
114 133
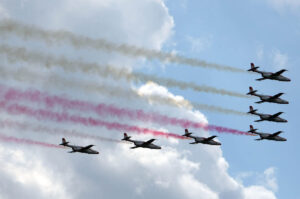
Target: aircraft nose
284 139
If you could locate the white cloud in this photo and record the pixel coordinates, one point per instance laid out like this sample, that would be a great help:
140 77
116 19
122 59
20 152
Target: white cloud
270 179
258 192
199 44
29 174
285 5
260 52
280 60
3 12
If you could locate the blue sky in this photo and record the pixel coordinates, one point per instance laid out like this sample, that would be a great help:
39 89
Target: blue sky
237 33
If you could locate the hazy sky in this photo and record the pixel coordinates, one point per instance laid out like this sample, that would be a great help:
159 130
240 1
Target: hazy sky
229 33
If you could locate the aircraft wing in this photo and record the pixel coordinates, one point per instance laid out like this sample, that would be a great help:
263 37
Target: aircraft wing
148 142
210 138
86 147
275 134
276 96
276 115
259 79
278 73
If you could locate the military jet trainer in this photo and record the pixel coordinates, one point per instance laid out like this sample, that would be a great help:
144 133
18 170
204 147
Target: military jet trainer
267 136
267 98
142 144
201 140
80 149
269 75
267 117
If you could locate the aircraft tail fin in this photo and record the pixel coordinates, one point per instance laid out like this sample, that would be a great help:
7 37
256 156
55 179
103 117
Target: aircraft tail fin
64 142
251 91
252 111
126 137
186 133
252 130
253 67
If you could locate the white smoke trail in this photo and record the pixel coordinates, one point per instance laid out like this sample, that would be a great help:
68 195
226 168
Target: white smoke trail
15 54
33 32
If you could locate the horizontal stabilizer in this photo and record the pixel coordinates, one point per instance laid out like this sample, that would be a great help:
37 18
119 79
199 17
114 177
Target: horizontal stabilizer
251 110
186 133
126 137
252 130
64 142
251 91
253 67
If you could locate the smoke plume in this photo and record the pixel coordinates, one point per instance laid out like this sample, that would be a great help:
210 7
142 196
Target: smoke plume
41 114
5 138
105 110
15 54
77 41
25 126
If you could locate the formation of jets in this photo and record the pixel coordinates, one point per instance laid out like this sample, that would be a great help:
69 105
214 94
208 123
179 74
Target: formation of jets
267 98
210 140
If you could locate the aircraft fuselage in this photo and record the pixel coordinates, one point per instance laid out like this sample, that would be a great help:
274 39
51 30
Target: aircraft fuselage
268 75
269 117
142 145
79 149
203 140
268 136
267 98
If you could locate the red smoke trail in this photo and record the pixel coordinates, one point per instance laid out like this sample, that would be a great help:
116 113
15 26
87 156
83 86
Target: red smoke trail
103 109
43 129
5 138
89 121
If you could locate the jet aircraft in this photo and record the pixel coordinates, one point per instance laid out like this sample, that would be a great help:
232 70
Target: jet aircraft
80 149
269 75
267 117
142 144
202 140
267 136
267 98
